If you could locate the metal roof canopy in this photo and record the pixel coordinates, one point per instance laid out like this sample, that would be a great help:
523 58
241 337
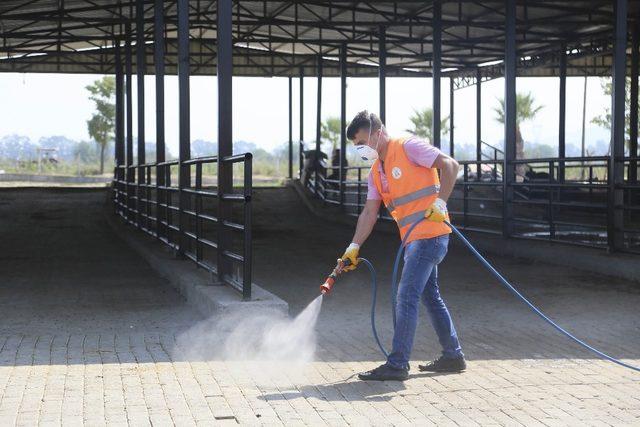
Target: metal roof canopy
285 38
467 40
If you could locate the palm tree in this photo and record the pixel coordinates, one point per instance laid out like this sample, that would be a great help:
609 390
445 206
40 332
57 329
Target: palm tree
423 124
525 110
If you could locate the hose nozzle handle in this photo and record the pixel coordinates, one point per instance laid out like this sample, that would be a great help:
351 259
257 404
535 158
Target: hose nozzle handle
327 286
342 263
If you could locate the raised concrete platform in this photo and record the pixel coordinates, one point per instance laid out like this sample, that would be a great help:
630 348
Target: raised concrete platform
198 286
619 265
65 179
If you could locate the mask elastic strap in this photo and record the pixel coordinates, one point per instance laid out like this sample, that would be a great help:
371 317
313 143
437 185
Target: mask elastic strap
370 129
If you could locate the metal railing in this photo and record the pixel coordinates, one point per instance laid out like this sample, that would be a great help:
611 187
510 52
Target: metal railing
351 195
184 217
476 201
560 200
631 205
496 153
563 200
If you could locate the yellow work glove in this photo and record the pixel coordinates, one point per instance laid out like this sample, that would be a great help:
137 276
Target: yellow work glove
437 212
351 254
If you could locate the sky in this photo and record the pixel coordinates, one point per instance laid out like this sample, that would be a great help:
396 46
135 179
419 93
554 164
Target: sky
41 105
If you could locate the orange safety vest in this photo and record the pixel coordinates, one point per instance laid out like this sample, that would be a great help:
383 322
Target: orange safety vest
412 189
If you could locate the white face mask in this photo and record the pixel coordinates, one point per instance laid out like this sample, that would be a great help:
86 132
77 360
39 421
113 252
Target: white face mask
367 153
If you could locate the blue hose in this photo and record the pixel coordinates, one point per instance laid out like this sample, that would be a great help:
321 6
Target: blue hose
394 286
374 298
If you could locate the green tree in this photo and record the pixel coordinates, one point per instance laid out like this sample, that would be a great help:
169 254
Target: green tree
330 131
423 124
604 120
101 124
85 152
525 110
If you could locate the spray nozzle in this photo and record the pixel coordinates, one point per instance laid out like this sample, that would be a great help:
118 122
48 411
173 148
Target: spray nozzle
327 286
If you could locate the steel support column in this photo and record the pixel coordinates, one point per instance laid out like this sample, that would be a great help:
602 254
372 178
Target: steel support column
301 133
290 128
119 131
451 121
437 66
633 110
129 101
616 164
343 120
184 178
562 112
508 175
478 122
382 72
158 60
225 137
140 70
318 124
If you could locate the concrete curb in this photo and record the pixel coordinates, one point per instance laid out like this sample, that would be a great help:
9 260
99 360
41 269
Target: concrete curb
56 189
54 178
598 261
617 265
193 283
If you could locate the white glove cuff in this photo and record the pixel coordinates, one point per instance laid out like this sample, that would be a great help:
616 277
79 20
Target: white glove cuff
353 246
440 203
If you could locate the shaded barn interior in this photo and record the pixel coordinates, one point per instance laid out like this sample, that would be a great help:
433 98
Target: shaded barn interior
201 207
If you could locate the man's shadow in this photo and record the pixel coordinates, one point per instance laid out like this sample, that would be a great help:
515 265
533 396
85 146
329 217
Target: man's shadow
350 389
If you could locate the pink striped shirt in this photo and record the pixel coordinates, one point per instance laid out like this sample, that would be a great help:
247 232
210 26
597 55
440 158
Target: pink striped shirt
418 151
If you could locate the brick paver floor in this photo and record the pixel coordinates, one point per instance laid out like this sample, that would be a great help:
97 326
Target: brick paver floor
91 335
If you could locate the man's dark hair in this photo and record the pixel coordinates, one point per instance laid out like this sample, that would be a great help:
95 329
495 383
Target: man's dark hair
363 120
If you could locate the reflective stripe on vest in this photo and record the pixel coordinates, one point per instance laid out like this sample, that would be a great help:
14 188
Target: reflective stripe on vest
412 197
411 218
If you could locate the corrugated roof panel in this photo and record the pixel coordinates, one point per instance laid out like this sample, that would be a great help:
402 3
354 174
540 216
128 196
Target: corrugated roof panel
472 33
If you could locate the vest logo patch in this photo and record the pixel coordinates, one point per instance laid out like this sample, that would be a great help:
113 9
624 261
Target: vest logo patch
396 172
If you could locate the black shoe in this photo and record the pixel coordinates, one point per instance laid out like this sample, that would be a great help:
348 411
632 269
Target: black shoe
385 373
443 364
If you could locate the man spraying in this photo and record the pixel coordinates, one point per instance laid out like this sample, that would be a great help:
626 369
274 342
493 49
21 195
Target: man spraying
404 177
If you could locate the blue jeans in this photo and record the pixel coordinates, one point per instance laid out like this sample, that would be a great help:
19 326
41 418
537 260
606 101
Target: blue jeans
419 281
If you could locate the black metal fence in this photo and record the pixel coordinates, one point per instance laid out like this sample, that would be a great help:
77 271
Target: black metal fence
351 195
185 217
556 200
560 200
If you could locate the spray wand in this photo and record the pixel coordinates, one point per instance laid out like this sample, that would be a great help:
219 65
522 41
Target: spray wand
326 287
